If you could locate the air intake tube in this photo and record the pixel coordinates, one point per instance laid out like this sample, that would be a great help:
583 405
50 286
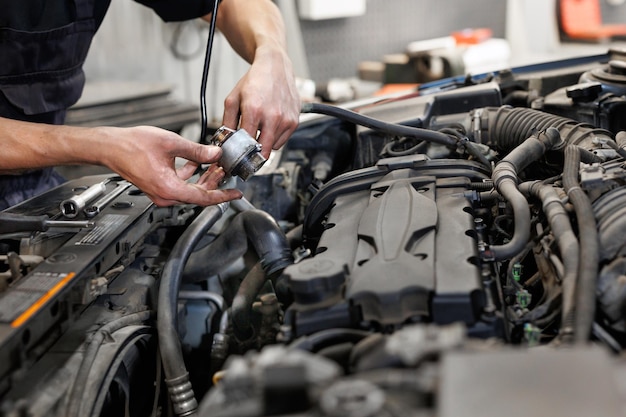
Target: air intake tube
505 128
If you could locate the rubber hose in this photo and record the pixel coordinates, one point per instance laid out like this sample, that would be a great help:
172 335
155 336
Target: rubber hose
177 377
255 226
274 251
329 337
378 125
281 284
507 187
205 73
505 180
473 150
561 226
589 247
241 309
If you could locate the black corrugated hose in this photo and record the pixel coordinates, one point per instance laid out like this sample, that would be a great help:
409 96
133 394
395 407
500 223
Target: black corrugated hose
508 127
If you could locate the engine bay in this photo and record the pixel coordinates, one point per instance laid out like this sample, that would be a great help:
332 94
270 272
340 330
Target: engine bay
459 250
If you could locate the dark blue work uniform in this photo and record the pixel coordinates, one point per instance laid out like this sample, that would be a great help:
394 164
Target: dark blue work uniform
43 45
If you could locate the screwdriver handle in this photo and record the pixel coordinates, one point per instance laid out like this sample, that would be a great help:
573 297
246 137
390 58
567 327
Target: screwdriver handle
13 223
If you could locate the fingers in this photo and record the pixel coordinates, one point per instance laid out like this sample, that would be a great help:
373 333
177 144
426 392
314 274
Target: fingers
212 178
231 110
197 153
203 193
186 171
152 167
276 124
192 194
275 132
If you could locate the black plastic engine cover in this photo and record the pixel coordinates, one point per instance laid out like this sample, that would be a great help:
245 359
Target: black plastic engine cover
399 251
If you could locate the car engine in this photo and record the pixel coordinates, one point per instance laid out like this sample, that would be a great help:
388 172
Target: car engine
458 250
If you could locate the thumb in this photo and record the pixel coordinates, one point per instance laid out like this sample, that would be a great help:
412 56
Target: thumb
201 154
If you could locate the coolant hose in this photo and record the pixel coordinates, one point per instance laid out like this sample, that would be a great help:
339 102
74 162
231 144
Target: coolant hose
567 241
379 125
505 181
176 375
507 187
254 226
241 309
274 252
589 246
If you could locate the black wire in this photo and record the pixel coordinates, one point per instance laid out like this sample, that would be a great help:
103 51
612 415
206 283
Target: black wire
379 125
205 73
178 54
419 147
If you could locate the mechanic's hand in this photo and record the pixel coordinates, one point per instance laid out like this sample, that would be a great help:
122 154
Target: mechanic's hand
146 157
265 99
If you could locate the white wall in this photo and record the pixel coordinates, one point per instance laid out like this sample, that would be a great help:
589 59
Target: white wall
133 44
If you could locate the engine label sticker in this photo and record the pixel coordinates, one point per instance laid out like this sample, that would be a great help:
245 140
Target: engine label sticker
105 227
22 302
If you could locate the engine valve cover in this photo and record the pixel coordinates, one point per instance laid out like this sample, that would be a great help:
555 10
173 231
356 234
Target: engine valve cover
401 250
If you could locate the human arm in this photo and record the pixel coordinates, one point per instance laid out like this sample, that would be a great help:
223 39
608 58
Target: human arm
266 98
142 155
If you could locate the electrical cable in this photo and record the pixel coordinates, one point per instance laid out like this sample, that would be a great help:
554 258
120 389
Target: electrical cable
205 73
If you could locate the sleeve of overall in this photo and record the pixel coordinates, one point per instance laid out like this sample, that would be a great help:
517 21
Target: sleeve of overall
178 10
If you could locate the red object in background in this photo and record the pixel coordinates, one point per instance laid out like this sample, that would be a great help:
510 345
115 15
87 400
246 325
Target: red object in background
396 88
582 20
471 36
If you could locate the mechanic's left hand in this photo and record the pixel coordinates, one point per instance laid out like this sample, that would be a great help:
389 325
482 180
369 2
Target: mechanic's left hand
265 99
146 156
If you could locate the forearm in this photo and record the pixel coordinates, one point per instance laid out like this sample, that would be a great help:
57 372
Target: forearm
33 145
143 155
250 25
